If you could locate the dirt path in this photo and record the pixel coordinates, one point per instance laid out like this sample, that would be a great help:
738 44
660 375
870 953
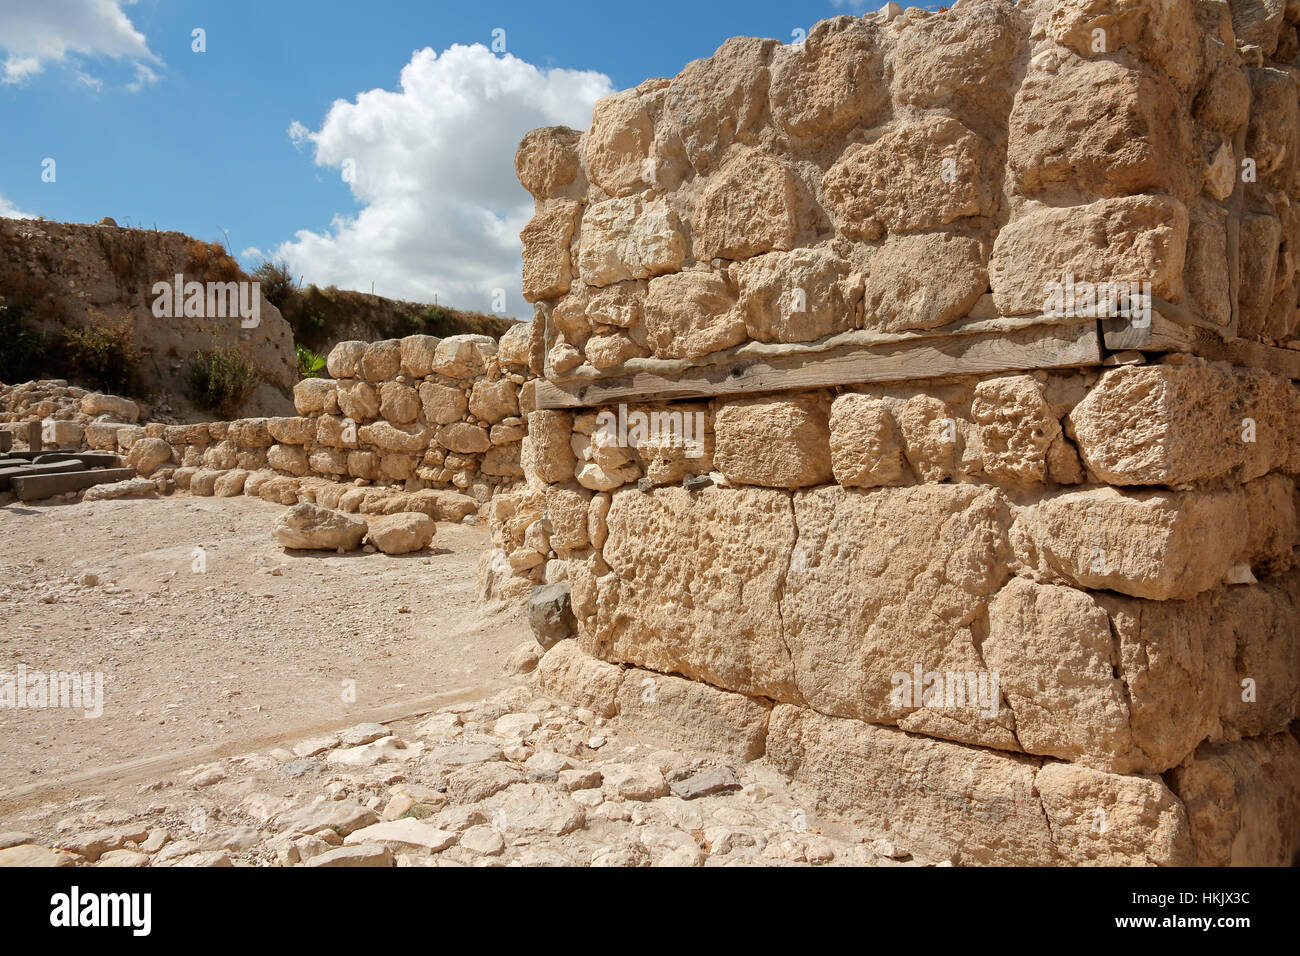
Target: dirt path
256 647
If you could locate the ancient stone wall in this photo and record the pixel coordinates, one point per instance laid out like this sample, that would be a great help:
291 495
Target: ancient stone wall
419 414
1015 596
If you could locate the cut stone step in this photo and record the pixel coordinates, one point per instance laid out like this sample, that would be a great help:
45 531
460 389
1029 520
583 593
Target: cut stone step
31 454
25 469
91 459
35 487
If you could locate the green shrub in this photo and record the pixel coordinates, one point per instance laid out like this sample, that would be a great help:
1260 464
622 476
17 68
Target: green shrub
25 352
276 283
101 356
222 379
309 362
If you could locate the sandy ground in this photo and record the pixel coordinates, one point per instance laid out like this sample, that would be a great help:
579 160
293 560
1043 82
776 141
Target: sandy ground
260 646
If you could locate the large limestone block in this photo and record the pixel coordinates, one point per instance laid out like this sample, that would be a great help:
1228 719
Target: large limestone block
936 798
888 584
382 361
1178 425
688 714
1016 428
1051 647
1243 801
798 296
1098 126
417 353
314 396
512 347
1106 819
566 672
1263 695
866 448
1177 661
1257 22
463 438
923 281
344 360
932 440
548 269
628 239
567 509
114 408
308 526
1131 685
617 144
389 437
1205 279
359 401
398 402
463 356
960 61
442 404
750 206
291 431
401 533
250 433
1145 544
1260 237
1129 239
549 433
689 314
831 82
290 458
693 586
1273 130
981 807
916 176
1165 35
492 401
779 441
716 101
547 160
148 455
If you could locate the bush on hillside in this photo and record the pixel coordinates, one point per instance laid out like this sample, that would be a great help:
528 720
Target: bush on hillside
221 380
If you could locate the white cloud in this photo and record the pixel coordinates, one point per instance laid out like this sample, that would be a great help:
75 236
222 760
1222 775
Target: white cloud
35 35
433 165
9 211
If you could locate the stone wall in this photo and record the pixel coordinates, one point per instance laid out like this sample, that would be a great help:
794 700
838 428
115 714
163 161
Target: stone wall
1036 613
915 172
399 417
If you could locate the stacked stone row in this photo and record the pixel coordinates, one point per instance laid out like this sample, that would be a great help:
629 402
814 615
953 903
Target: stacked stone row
902 171
1120 546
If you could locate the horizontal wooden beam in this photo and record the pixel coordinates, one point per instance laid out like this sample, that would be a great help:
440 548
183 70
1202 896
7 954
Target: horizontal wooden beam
1163 335
978 353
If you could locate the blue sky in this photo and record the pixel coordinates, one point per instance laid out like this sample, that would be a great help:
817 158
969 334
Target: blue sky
146 130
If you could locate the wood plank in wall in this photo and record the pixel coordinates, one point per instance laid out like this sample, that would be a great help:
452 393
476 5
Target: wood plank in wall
1162 335
1033 347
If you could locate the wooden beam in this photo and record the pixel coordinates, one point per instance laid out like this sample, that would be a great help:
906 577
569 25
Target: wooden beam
1162 335
1030 347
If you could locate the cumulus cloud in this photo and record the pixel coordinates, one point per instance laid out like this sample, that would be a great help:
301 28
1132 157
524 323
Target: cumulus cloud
65 32
432 164
9 211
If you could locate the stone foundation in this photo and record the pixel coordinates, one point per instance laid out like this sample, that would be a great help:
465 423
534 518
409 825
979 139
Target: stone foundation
1013 565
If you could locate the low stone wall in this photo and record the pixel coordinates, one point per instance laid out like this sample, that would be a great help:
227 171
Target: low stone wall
399 417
